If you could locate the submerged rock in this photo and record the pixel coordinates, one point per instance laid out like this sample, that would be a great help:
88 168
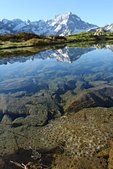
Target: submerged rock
84 133
41 105
6 120
31 120
95 97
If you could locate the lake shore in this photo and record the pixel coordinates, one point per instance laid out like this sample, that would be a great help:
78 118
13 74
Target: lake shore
20 40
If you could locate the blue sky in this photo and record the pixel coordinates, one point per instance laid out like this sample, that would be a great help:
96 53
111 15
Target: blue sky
99 12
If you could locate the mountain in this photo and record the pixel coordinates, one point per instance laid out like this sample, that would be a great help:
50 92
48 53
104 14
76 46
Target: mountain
69 23
106 28
64 24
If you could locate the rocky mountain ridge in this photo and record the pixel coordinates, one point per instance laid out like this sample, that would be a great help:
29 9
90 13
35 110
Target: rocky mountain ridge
106 28
64 24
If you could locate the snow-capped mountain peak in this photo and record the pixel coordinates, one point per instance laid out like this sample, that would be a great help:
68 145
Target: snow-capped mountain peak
63 16
60 19
63 24
69 23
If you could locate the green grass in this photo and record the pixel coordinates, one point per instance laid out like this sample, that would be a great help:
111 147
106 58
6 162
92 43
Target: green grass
84 36
28 40
90 37
19 40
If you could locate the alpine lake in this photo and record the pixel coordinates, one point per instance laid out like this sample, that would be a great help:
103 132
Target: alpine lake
56 106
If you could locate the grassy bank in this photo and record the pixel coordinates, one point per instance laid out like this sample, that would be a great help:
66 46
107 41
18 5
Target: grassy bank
19 40
91 37
28 40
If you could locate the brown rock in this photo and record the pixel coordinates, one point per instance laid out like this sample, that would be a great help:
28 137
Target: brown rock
67 162
110 160
2 163
103 153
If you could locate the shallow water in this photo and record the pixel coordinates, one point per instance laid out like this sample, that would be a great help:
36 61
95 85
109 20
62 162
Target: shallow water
55 72
36 90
